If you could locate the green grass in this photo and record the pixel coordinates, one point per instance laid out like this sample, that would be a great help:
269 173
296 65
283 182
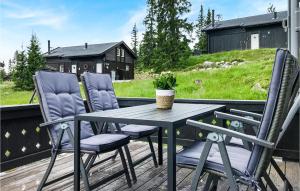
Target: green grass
231 83
244 55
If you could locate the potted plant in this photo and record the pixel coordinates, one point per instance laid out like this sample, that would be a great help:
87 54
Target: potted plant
165 93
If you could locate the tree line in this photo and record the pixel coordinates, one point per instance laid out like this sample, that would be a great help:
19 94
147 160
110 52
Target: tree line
165 43
25 63
168 33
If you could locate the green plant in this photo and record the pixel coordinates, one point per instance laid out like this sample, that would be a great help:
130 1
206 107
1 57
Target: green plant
2 75
165 81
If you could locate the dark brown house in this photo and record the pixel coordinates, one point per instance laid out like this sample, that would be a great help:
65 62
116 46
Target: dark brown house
114 58
259 31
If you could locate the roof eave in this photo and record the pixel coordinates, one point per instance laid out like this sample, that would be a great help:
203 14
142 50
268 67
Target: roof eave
242 26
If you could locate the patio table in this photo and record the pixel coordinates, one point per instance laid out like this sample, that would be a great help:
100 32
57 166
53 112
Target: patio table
147 115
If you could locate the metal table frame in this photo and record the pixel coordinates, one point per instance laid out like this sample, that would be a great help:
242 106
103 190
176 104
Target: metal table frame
170 119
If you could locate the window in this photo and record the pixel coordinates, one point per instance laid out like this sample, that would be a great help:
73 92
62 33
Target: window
122 53
61 68
127 68
118 52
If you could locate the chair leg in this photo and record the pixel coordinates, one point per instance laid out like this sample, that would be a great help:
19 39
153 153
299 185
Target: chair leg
84 176
125 167
152 151
287 184
208 182
200 165
131 167
227 165
46 175
87 160
90 164
115 155
215 182
269 182
261 185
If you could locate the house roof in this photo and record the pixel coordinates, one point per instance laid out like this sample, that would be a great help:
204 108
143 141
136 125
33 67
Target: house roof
256 20
91 50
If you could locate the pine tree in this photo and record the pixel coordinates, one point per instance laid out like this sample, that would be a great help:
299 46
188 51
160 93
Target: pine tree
134 40
199 25
20 70
172 29
35 61
148 43
208 18
271 8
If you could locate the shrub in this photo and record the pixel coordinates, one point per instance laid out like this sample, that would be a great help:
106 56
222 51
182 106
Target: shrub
165 81
2 75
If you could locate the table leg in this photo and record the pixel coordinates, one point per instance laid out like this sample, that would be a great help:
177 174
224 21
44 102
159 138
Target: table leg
160 150
76 155
171 159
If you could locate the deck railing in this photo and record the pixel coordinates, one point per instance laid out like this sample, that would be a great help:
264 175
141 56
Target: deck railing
23 142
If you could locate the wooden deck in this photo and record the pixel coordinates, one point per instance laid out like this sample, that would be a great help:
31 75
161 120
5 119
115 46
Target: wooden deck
148 177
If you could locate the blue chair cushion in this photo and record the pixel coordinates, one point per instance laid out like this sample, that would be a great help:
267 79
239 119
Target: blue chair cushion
101 142
139 131
101 97
285 67
60 97
238 157
100 92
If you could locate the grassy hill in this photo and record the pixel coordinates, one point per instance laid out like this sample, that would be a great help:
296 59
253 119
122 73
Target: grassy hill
248 80
236 82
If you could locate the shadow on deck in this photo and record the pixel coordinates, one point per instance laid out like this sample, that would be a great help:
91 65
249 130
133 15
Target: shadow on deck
149 178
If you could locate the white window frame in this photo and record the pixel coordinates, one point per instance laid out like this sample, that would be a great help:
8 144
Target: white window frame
122 52
118 51
61 68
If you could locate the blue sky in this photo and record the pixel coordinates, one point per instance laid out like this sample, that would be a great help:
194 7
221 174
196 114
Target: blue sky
74 22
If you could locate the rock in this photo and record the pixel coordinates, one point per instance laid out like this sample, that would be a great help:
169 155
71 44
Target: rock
198 82
208 64
234 63
227 63
257 87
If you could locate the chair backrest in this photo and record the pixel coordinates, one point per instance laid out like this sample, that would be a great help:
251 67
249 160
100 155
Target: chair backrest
282 91
99 91
59 97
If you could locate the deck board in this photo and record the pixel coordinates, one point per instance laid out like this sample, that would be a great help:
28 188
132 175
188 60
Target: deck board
148 177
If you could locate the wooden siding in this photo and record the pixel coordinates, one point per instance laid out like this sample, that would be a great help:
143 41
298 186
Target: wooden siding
110 55
272 36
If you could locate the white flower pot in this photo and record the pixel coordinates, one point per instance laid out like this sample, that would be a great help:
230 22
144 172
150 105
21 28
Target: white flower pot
165 99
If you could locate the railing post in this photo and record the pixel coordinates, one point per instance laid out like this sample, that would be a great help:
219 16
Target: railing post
293 26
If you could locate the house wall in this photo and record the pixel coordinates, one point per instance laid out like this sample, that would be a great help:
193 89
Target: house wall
272 36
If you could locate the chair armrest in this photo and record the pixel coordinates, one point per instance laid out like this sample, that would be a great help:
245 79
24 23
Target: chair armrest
231 133
246 113
62 120
237 118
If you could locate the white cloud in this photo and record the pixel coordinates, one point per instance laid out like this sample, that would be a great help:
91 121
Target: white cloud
36 16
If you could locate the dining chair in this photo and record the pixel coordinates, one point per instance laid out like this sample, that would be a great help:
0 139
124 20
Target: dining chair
101 96
238 164
60 101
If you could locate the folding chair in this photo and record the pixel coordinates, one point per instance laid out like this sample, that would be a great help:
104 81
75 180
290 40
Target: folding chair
238 164
100 96
60 100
